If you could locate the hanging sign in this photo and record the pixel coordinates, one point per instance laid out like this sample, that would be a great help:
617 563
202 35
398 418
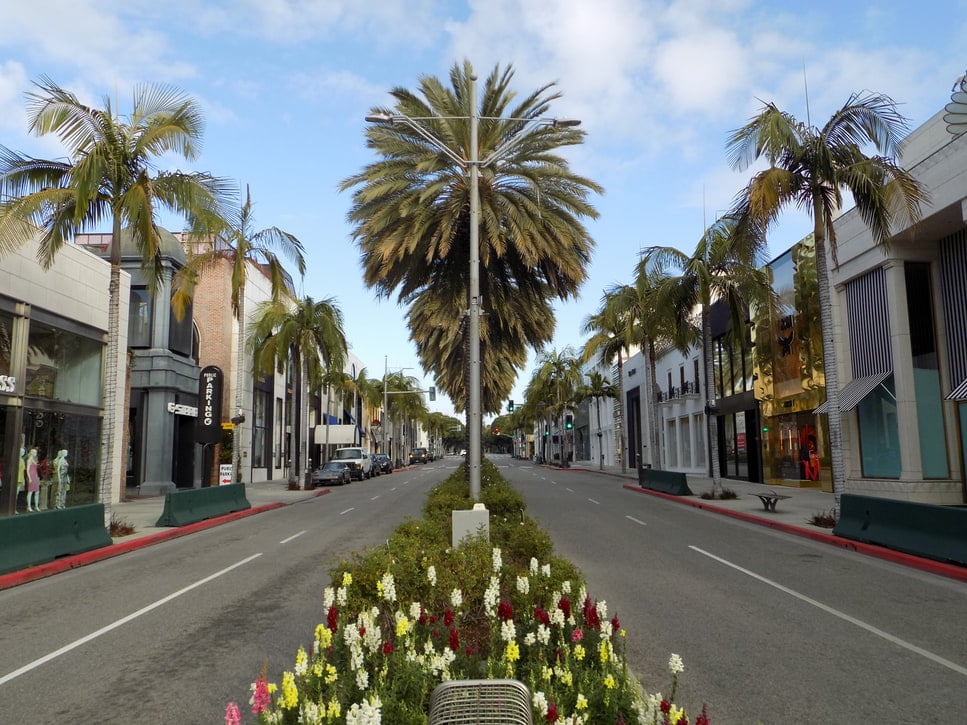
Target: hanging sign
208 425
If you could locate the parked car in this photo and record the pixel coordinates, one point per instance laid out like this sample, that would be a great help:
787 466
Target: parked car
418 455
360 465
333 473
382 463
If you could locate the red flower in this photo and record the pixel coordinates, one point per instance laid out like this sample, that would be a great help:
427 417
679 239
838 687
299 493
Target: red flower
332 618
591 618
454 640
387 647
551 712
448 617
615 624
362 632
541 616
665 706
505 610
565 606
468 651
702 719
422 619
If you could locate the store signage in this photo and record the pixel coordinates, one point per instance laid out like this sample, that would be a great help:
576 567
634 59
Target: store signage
8 384
190 410
208 426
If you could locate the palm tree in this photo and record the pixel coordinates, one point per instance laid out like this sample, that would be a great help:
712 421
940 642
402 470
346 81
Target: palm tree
724 266
610 340
556 381
596 388
411 215
311 334
809 168
232 238
109 176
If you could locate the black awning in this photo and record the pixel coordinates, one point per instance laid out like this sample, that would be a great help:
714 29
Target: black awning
958 393
854 391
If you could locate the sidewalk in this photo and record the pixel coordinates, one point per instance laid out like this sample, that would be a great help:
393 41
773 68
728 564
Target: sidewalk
792 515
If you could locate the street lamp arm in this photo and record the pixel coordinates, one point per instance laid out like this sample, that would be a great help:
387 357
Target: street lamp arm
436 143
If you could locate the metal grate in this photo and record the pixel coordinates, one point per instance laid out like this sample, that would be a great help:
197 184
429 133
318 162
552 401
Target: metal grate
495 702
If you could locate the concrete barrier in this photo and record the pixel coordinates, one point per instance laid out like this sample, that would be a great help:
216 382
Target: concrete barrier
928 530
197 504
36 538
673 482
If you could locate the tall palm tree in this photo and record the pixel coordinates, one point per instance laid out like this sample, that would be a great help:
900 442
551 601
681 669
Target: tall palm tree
597 388
410 210
108 177
556 381
309 332
610 340
724 266
232 238
809 168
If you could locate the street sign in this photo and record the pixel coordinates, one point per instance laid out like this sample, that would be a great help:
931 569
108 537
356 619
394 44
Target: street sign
228 426
224 473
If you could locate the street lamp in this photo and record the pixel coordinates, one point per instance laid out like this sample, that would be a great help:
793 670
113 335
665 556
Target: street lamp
473 164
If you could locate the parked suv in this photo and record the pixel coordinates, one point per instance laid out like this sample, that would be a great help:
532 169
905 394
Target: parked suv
418 455
360 464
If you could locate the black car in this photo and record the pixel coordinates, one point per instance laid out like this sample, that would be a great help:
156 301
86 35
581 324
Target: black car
418 455
334 473
382 463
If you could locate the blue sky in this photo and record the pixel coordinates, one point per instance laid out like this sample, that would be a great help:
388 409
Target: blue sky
659 85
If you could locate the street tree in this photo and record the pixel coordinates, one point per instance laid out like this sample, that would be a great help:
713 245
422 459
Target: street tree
810 168
598 388
109 177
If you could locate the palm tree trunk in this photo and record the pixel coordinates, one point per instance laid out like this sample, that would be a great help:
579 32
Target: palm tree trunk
619 409
239 384
600 436
294 418
107 475
837 465
713 426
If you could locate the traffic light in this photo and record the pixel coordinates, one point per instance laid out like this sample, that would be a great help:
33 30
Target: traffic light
569 422
510 406
547 430
432 392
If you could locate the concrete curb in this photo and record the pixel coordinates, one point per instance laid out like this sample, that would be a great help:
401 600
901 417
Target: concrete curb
897 557
66 563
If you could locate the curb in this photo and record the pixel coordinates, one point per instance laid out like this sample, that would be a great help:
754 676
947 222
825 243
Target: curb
66 563
932 566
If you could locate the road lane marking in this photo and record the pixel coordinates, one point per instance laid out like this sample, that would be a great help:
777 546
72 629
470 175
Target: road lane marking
593 501
571 490
124 620
635 520
294 536
341 513
842 615
373 498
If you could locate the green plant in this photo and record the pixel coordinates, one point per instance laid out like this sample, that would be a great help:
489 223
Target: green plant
824 519
119 527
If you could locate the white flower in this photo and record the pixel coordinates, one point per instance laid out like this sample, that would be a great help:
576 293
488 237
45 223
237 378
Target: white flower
523 584
415 610
497 560
602 608
456 598
388 587
491 595
566 587
533 566
365 713
557 617
530 639
540 703
362 678
543 634
431 575
546 571
676 665
341 596
508 630
328 597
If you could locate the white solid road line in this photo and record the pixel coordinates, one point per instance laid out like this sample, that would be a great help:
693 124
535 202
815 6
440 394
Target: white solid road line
635 520
294 536
342 513
124 620
593 501
842 615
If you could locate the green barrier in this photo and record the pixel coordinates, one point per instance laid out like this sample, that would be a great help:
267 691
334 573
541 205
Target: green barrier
36 538
672 482
197 504
928 530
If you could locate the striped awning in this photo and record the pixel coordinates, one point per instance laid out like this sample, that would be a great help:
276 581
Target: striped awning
958 393
854 391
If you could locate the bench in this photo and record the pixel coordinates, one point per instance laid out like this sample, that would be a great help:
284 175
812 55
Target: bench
770 499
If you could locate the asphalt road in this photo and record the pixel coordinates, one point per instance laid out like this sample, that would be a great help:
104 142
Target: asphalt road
772 628
172 632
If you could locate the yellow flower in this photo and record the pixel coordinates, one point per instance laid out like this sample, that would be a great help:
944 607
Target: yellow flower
582 702
578 652
347 578
323 637
379 588
290 694
333 711
547 672
675 714
331 674
512 653
271 688
604 651
402 626
609 682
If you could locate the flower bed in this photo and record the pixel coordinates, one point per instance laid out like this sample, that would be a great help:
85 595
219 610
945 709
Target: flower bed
416 612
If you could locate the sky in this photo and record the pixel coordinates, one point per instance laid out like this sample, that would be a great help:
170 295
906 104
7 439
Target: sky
658 85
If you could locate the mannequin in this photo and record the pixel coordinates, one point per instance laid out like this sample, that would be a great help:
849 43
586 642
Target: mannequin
21 467
33 481
62 478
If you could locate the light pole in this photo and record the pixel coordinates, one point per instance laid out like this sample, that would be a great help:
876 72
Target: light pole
473 165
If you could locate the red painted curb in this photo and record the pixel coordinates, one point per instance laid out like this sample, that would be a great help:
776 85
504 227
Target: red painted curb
897 557
66 563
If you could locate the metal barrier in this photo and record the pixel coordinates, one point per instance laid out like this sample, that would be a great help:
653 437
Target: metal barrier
480 702
672 482
197 504
929 530
36 538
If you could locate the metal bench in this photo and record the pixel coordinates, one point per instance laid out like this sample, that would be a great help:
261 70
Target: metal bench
770 499
475 702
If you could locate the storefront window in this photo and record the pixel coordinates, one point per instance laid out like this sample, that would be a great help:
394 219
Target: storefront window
6 331
258 428
180 332
63 366
671 445
139 318
686 437
879 434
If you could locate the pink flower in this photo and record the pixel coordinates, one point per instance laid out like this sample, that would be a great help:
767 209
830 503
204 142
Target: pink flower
232 715
577 635
261 699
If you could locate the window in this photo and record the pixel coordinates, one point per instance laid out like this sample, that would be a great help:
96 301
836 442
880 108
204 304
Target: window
698 377
180 332
686 438
259 408
139 318
62 365
879 436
